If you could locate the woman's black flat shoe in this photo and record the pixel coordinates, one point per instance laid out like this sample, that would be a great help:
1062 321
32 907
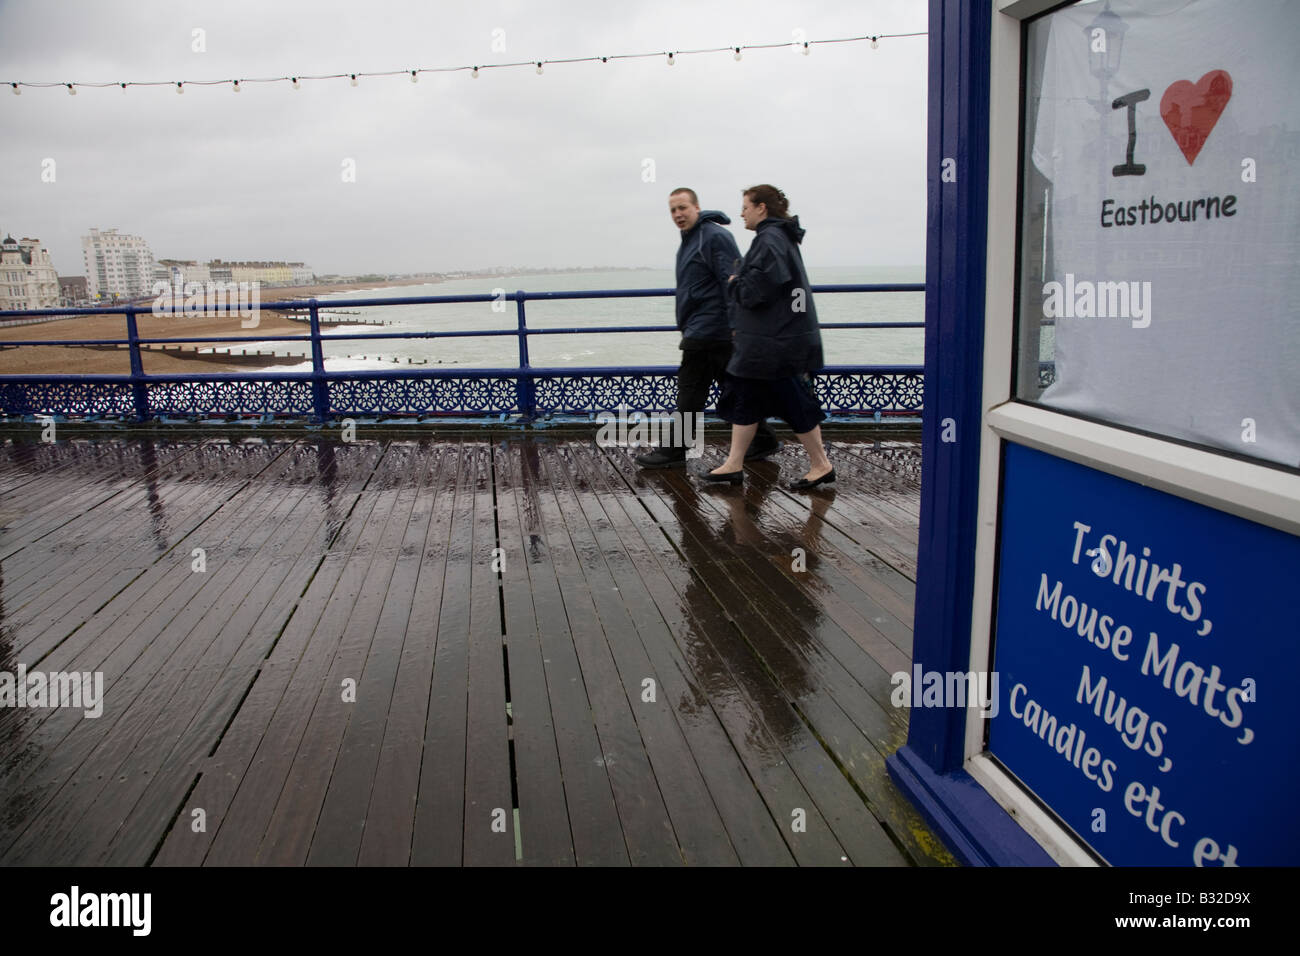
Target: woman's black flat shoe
731 477
803 484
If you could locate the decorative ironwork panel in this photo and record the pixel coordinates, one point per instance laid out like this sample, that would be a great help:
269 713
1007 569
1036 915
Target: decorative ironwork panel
867 393
66 398
568 394
231 397
469 395
842 393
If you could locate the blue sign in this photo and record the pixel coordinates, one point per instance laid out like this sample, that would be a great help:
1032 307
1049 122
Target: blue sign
1147 653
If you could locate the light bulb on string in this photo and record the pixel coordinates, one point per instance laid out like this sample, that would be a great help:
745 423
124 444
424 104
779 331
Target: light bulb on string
804 46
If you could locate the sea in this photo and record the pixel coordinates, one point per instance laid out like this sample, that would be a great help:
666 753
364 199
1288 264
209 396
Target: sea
841 346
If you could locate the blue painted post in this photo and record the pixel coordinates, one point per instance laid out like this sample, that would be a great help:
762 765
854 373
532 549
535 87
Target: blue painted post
929 769
319 387
954 346
524 388
139 391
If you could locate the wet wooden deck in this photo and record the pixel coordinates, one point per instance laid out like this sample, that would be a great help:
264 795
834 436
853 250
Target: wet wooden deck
557 659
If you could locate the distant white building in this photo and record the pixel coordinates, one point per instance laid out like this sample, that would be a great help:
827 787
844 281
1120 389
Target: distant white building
117 265
27 277
167 270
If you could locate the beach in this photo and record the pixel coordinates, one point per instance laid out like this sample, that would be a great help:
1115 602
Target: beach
107 360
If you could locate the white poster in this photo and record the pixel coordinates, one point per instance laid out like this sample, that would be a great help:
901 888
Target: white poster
1170 132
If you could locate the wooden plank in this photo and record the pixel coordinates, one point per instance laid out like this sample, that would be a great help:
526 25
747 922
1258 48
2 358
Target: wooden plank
261 743
489 802
397 776
337 651
135 754
335 474
50 506
792 633
26 462
647 825
654 581
109 642
631 622
544 833
76 533
438 836
593 815
205 705
291 830
338 833
863 650
151 662
766 729
824 695
869 578
64 607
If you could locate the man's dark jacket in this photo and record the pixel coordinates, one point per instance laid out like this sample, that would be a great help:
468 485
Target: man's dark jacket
777 335
704 262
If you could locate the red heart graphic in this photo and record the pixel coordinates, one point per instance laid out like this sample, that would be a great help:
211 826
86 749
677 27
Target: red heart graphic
1190 111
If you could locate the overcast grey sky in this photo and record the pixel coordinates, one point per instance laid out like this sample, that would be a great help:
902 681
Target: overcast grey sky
453 172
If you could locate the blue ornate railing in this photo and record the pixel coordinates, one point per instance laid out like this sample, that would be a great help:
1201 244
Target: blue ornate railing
524 391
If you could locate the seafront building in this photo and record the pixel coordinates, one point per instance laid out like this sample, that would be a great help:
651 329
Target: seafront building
168 270
27 277
72 290
264 273
117 265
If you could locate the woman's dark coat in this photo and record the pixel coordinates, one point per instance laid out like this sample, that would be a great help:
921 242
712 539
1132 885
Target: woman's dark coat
774 318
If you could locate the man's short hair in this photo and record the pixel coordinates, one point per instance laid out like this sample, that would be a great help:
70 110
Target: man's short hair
685 189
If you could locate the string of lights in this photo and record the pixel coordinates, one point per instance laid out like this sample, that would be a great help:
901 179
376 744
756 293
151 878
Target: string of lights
670 57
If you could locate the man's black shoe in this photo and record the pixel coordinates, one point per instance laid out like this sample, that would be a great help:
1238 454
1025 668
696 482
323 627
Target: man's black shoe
663 458
754 453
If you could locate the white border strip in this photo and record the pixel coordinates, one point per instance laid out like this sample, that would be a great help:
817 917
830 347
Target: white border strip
1059 842
1257 493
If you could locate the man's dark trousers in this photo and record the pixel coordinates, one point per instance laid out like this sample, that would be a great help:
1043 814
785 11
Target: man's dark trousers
702 365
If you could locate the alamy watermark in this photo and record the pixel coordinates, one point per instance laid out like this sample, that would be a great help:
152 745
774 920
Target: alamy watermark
1085 299
922 688
193 298
675 430
77 909
78 689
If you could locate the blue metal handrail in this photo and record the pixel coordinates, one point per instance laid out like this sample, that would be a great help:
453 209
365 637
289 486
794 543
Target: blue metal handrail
525 376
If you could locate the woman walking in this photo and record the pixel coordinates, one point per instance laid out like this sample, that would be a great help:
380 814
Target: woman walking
777 342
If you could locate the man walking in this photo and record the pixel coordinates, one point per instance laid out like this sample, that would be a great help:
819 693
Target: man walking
705 261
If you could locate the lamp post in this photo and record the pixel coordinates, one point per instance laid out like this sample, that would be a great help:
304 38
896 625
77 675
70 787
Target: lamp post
1105 35
1105 39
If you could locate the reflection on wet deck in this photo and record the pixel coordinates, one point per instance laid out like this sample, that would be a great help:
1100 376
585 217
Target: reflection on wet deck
454 651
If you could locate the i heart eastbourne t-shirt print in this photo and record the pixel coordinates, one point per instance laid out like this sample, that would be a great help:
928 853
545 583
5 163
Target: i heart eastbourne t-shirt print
1171 137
